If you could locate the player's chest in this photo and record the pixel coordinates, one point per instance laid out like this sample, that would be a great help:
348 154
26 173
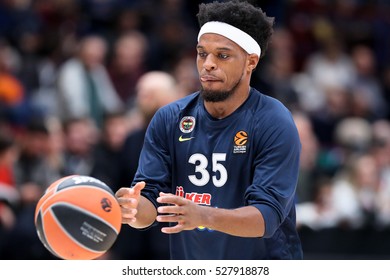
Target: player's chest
197 139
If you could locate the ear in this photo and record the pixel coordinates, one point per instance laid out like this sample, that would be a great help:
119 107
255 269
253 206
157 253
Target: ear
253 60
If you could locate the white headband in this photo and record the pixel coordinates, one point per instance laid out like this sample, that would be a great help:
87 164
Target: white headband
241 38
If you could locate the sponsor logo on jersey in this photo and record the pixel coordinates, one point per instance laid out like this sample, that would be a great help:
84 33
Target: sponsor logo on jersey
183 139
187 124
198 198
240 141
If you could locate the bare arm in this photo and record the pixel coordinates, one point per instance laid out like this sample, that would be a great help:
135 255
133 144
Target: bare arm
245 221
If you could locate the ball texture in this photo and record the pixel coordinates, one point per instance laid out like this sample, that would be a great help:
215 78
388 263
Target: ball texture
78 218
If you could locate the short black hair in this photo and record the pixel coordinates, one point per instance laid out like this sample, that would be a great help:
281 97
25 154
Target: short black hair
242 15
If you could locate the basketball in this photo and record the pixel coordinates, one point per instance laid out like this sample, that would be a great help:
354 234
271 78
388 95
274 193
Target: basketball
78 218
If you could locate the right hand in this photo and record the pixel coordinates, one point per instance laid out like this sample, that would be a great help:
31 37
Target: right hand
128 199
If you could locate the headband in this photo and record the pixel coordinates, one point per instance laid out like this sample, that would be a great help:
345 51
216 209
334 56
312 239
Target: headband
241 38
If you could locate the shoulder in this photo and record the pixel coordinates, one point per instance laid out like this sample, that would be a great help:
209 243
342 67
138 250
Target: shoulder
165 119
273 121
269 110
179 107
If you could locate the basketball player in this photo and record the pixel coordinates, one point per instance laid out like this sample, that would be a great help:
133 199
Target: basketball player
221 165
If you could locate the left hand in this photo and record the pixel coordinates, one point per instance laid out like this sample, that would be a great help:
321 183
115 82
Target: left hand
187 214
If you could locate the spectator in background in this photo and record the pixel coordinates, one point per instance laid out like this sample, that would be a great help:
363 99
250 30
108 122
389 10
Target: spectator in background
56 148
331 67
352 135
107 160
351 200
277 76
186 75
328 77
108 151
318 213
310 153
149 97
153 90
33 174
368 100
355 194
173 32
9 196
130 17
128 64
8 156
84 85
12 91
381 151
81 136
29 48
331 204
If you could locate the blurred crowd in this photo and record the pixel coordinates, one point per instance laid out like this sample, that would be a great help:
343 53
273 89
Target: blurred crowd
81 79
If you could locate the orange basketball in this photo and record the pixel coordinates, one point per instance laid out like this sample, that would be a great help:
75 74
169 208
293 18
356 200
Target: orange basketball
78 218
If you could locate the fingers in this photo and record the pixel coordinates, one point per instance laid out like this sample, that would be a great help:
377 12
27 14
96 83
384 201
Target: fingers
128 192
176 210
168 198
128 215
165 194
122 192
172 218
175 229
174 205
127 202
128 199
137 188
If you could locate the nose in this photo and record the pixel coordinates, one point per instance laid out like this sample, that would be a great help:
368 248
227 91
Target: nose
209 63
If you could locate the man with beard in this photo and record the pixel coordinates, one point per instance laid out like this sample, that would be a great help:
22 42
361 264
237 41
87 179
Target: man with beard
221 165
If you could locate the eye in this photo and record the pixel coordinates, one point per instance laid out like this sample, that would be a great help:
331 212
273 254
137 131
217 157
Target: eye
223 56
202 54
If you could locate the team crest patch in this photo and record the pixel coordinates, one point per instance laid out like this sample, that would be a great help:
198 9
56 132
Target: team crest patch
187 124
240 141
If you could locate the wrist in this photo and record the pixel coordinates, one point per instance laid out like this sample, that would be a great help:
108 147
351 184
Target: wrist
206 216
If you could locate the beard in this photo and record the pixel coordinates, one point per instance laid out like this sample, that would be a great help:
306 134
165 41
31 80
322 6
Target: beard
218 95
215 95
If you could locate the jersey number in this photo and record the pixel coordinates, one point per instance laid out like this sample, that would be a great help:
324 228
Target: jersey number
200 161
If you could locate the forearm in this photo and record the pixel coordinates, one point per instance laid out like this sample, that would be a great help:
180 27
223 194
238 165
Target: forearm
245 222
146 214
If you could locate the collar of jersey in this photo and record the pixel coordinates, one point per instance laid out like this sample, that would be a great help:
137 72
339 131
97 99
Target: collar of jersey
216 123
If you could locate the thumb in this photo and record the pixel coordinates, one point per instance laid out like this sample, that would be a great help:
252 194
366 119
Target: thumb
138 187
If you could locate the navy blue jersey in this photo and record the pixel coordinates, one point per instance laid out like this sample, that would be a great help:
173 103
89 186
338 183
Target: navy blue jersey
250 157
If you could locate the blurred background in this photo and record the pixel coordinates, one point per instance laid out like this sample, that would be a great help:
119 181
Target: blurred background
81 79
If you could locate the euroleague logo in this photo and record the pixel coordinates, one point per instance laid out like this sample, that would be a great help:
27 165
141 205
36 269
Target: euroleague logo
240 141
241 138
106 204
